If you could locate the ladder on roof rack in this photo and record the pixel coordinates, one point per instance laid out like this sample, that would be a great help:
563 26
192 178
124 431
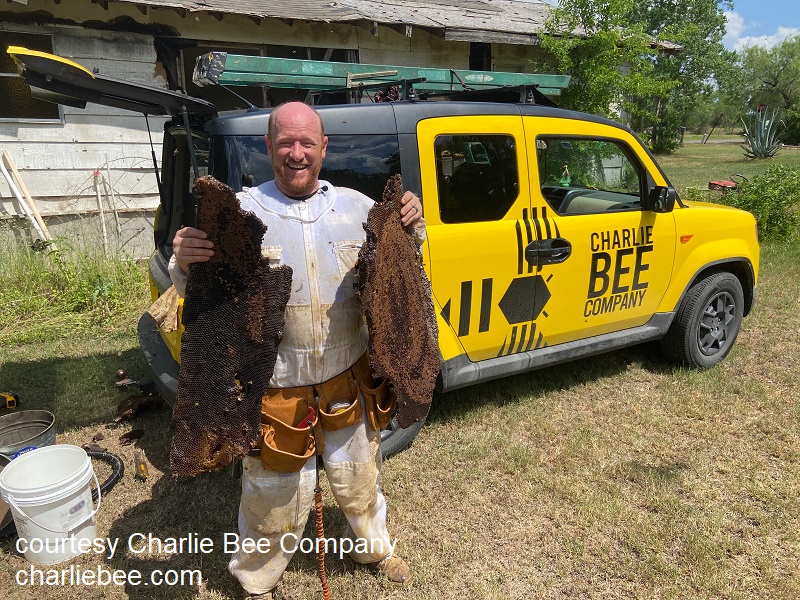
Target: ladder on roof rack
325 76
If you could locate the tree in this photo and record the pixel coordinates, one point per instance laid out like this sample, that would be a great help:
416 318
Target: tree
729 99
610 61
698 26
772 78
619 64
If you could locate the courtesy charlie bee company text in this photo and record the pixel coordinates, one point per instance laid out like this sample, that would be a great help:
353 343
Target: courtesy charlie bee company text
147 544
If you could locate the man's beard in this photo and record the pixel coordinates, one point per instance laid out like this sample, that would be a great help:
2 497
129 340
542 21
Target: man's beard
301 183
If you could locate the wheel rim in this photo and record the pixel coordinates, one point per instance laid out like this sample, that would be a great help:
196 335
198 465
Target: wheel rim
717 324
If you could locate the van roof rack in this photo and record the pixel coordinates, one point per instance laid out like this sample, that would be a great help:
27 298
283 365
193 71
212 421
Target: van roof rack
322 77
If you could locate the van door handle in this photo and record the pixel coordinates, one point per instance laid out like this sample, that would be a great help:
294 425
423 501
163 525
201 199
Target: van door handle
548 252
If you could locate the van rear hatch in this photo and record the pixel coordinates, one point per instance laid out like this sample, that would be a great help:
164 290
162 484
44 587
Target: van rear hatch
60 80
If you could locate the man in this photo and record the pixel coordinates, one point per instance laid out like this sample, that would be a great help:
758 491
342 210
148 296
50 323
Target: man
317 230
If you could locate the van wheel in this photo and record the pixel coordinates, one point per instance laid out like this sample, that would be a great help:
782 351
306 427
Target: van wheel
707 322
394 439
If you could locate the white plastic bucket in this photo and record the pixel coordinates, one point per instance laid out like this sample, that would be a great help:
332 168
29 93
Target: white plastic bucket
50 497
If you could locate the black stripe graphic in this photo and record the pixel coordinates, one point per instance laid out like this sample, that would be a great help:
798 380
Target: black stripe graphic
530 339
446 312
530 240
539 341
503 347
536 222
555 226
486 305
466 308
528 229
520 250
546 222
513 340
522 337
538 237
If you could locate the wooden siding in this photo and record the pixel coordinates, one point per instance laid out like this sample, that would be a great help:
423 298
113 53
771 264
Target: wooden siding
57 161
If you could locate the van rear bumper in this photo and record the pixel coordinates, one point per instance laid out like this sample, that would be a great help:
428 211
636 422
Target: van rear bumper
163 367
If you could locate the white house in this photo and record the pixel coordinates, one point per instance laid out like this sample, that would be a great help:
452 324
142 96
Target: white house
64 153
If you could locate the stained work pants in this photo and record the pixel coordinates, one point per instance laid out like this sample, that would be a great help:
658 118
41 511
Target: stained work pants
275 504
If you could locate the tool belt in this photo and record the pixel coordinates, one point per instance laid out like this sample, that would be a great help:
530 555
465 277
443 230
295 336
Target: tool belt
287 441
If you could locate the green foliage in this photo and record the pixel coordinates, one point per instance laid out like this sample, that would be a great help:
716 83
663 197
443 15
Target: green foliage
791 117
697 26
774 198
609 65
63 292
771 77
772 74
762 135
666 131
699 194
620 68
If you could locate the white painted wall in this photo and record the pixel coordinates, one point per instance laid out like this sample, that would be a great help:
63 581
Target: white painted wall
57 161
422 49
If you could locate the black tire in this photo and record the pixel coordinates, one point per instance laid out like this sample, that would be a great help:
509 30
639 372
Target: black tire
394 439
707 322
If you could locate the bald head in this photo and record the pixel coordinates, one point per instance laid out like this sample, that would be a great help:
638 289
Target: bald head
293 108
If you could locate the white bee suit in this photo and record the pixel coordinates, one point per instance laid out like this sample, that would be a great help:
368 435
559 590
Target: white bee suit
324 335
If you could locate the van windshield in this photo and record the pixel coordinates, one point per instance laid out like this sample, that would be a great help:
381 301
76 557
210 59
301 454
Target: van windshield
361 162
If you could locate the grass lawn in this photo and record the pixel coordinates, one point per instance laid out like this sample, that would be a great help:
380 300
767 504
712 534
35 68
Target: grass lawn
694 165
616 476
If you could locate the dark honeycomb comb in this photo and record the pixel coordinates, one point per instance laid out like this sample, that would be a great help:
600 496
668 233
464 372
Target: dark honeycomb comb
233 316
395 295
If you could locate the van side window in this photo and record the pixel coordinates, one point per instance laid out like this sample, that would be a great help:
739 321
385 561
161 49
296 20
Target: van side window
588 176
477 177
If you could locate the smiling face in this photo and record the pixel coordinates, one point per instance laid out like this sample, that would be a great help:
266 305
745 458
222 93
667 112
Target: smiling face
296 145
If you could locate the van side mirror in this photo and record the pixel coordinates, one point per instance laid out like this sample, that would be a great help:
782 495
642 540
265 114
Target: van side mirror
661 199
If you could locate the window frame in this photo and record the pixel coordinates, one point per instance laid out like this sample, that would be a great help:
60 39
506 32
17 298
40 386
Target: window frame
445 217
16 75
624 148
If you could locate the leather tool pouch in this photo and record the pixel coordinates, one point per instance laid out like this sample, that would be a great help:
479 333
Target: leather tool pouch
284 447
334 395
380 401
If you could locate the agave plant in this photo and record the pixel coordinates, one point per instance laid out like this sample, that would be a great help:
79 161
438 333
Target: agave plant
762 135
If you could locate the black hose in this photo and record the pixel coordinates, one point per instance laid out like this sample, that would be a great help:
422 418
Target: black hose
117 471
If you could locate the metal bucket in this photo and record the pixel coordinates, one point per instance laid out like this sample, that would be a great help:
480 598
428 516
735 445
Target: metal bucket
26 430
5 512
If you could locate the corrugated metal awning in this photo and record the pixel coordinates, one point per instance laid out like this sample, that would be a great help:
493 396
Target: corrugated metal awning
491 21
503 16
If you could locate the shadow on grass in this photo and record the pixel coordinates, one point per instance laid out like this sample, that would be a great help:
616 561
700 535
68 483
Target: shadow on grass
517 388
205 506
80 392
660 473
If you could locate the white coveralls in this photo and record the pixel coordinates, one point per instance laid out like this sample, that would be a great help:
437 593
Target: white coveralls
324 335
